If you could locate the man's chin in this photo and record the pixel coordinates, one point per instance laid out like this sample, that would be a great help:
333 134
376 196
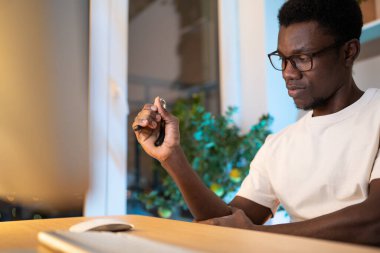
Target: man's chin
311 106
304 108
301 106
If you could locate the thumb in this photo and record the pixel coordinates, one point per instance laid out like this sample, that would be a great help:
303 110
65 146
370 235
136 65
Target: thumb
208 222
161 110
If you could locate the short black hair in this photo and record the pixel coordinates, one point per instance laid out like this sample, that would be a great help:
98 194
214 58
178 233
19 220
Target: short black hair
341 18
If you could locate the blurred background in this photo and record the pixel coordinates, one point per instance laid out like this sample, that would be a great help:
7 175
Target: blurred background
207 58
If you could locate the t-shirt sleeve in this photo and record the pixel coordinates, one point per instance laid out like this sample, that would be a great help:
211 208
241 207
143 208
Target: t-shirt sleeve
375 174
257 186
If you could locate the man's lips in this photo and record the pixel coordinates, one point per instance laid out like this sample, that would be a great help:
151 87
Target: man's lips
294 91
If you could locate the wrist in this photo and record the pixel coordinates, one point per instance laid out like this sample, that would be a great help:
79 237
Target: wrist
175 154
175 159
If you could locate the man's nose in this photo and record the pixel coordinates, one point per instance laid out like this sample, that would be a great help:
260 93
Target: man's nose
291 72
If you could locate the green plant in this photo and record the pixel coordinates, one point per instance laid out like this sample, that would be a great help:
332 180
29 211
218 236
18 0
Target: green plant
216 149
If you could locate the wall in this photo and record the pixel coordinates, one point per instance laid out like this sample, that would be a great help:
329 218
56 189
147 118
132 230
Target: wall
248 32
367 66
43 97
280 105
147 35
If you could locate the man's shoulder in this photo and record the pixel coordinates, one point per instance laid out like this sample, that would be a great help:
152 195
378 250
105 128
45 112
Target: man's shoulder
289 131
375 94
374 100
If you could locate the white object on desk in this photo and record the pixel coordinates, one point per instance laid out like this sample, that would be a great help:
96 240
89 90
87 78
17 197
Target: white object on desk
108 225
103 242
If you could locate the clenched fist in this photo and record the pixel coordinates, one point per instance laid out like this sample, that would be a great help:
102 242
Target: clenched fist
147 130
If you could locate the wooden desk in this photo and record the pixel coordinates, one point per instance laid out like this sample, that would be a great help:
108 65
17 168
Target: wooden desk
204 238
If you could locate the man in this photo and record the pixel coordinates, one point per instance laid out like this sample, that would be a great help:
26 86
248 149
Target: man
325 168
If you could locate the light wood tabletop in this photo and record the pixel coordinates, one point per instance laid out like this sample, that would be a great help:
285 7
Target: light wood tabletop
198 237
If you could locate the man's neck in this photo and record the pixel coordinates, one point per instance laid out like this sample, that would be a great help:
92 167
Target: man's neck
345 96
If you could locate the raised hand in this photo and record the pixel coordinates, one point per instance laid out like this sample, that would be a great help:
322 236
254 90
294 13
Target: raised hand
147 129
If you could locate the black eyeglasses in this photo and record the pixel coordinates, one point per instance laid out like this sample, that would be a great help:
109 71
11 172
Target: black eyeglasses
302 62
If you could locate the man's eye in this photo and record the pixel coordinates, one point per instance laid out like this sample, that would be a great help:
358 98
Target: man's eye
301 58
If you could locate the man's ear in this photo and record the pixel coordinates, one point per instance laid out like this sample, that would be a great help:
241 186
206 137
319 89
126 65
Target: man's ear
351 51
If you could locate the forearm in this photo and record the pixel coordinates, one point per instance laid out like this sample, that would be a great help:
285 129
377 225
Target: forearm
202 202
352 224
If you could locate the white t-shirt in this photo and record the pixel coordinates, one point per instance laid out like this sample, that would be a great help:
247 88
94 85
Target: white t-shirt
319 164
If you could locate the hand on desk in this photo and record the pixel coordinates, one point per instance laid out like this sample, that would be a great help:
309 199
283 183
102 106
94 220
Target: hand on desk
238 219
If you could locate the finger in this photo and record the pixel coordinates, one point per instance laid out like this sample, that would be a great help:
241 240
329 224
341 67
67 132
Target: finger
147 115
144 124
139 124
151 117
150 110
161 110
239 212
145 134
149 107
209 222
234 209
242 215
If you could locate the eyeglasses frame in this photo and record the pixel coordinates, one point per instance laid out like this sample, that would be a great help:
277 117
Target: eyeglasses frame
310 55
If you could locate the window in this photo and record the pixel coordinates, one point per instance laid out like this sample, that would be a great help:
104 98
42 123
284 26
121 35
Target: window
173 53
